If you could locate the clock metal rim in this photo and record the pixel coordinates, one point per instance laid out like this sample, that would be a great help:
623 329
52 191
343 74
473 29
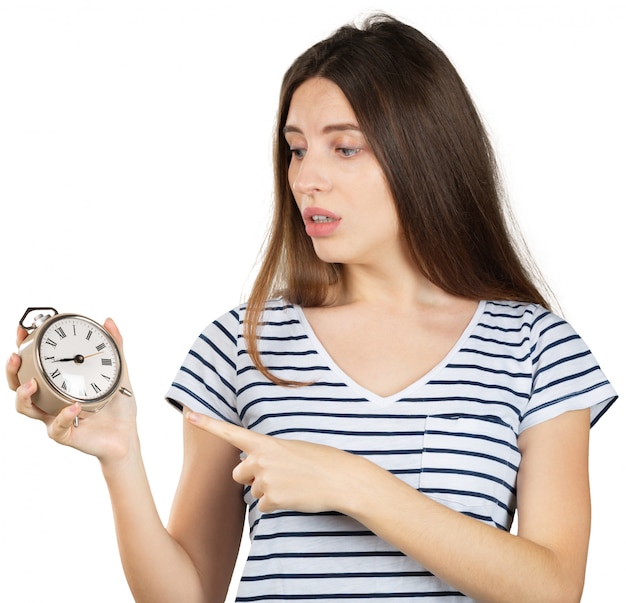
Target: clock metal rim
86 403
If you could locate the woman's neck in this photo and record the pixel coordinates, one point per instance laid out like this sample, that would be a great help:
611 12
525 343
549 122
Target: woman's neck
396 286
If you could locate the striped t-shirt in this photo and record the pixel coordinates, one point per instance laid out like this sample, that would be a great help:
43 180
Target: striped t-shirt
452 435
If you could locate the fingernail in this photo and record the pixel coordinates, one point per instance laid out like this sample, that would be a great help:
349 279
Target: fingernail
193 417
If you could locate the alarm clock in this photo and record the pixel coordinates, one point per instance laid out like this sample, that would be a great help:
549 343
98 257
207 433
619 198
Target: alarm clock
73 359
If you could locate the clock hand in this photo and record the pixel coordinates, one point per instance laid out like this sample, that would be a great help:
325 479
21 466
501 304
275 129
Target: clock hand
78 359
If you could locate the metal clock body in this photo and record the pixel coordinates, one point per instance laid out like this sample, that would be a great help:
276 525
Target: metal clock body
73 359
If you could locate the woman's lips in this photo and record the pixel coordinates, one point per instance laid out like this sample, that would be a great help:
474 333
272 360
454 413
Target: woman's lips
320 222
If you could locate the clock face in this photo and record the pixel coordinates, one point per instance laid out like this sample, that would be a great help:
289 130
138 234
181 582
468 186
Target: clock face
79 358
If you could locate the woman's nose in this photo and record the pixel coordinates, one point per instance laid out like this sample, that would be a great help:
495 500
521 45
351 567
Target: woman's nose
309 174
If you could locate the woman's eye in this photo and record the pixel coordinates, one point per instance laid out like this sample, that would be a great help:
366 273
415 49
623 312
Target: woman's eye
297 153
347 152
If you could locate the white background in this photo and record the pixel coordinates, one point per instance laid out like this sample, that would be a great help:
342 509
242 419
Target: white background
135 182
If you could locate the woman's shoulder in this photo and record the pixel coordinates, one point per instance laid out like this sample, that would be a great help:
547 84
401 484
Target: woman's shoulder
276 308
272 307
528 325
547 337
528 315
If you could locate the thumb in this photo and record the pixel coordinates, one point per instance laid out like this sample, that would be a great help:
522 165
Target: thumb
111 327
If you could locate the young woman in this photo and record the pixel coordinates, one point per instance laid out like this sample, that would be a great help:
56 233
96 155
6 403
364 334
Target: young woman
396 387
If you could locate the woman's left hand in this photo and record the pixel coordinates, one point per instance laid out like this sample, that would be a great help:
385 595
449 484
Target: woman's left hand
290 474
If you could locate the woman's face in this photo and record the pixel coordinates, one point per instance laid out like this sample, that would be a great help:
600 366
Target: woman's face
338 184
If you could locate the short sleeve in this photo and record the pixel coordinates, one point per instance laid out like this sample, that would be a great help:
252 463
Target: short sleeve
565 373
205 382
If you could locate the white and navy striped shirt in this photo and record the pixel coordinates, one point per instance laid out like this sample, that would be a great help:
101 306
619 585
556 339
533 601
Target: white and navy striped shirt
452 434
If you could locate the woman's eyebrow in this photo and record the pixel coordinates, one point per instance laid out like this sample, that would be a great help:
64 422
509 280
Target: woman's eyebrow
342 127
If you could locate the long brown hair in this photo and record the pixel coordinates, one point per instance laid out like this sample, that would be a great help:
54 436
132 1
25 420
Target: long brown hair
425 132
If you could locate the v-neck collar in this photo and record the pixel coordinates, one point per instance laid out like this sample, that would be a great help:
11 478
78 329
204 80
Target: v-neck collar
372 397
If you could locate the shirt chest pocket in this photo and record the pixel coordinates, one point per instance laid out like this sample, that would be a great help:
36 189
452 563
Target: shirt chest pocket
470 465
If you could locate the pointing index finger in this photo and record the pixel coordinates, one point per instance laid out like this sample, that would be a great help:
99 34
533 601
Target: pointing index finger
233 434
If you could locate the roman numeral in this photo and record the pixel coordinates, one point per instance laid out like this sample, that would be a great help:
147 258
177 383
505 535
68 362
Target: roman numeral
105 376
50 342
89 334
96 388
61 332
56 373
107 362
101 347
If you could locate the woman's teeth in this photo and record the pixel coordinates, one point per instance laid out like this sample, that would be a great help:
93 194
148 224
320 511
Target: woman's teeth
322 219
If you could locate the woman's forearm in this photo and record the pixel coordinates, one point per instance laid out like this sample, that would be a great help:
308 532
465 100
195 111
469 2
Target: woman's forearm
157 568
483 562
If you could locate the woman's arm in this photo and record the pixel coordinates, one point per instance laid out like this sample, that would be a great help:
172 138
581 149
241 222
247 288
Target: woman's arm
193 560
160 567
545 562
208 511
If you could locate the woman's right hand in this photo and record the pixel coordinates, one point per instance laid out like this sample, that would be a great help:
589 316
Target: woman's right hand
108 434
